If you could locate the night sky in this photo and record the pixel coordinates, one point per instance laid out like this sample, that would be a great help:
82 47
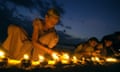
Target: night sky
81 18
91 17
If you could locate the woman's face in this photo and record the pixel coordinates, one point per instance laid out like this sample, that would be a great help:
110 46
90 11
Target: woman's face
93 43
108 43
51 21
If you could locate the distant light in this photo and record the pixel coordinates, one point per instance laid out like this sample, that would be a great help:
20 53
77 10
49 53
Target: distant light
95 59
65 56
74 59
118 49
111 60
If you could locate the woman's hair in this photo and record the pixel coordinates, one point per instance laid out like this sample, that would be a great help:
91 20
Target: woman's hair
53 11
93 39
107 38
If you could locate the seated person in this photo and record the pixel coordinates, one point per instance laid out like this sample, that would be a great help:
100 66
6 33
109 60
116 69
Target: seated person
105 48
86 49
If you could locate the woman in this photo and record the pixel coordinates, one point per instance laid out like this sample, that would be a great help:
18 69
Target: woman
44 37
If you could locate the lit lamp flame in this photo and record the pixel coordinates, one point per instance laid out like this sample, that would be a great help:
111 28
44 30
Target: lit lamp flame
95 59
3 59
51 62
26 57
83 60
54 60
13 62
26 62
35 63
111 60
74 59
41 58
55 57
65 58
2 54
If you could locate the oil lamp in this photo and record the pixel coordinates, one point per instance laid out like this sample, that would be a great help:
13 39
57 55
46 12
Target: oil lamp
65 58
55 57
26 62
95 59
51 62
14 62
3 59
42 60
74 59
110 59
54 60
82 60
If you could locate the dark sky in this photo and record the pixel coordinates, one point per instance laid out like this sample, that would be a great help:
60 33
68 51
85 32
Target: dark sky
82 18
91 17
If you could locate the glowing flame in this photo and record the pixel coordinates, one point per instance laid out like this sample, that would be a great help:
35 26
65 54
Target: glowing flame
74 59
41 58
13 62
26 57
111 60
55 56
2 54
95 59
35 63
65 58
51 62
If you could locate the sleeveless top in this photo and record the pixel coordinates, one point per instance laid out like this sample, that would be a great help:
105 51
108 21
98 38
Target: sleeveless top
48 38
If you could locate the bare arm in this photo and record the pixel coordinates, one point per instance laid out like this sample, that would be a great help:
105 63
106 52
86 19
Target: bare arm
35 42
